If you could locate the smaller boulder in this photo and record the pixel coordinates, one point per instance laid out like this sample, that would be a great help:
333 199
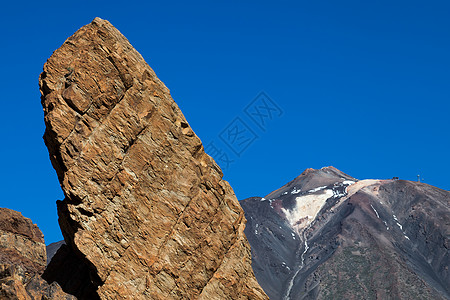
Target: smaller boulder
23 259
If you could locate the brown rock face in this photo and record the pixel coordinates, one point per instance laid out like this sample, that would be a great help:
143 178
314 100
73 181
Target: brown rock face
23 260
21 242
144 206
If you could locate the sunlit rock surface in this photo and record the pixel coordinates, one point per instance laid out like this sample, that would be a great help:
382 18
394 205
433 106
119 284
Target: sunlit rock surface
145 209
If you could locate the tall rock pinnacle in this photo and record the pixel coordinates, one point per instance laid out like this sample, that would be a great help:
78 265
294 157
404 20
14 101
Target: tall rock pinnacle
145 207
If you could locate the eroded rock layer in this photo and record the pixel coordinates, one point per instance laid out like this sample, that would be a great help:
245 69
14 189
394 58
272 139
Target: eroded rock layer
23 260
144 207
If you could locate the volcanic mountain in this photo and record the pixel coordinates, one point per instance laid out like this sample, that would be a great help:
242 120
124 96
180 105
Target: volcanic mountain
327 235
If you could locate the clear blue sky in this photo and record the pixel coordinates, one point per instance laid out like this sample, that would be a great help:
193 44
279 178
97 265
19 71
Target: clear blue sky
363 86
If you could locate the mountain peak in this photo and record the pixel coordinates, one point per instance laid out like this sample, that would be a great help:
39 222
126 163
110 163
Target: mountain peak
312 178
329 171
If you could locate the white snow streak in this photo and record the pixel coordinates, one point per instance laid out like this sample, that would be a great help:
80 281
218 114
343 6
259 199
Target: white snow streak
401 227
304 252
378 216
317 189
295 191
291 282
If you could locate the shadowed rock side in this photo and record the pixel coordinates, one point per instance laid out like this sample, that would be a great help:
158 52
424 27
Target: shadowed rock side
72 274
52 249
370 239
145 208
23 260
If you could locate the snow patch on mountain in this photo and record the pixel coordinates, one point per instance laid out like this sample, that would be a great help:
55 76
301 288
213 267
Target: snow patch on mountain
306 209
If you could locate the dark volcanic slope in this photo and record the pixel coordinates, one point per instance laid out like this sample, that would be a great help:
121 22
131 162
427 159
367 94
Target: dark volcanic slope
325 235
273 244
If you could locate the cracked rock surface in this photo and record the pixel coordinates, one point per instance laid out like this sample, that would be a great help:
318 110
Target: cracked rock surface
23 260
145 208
